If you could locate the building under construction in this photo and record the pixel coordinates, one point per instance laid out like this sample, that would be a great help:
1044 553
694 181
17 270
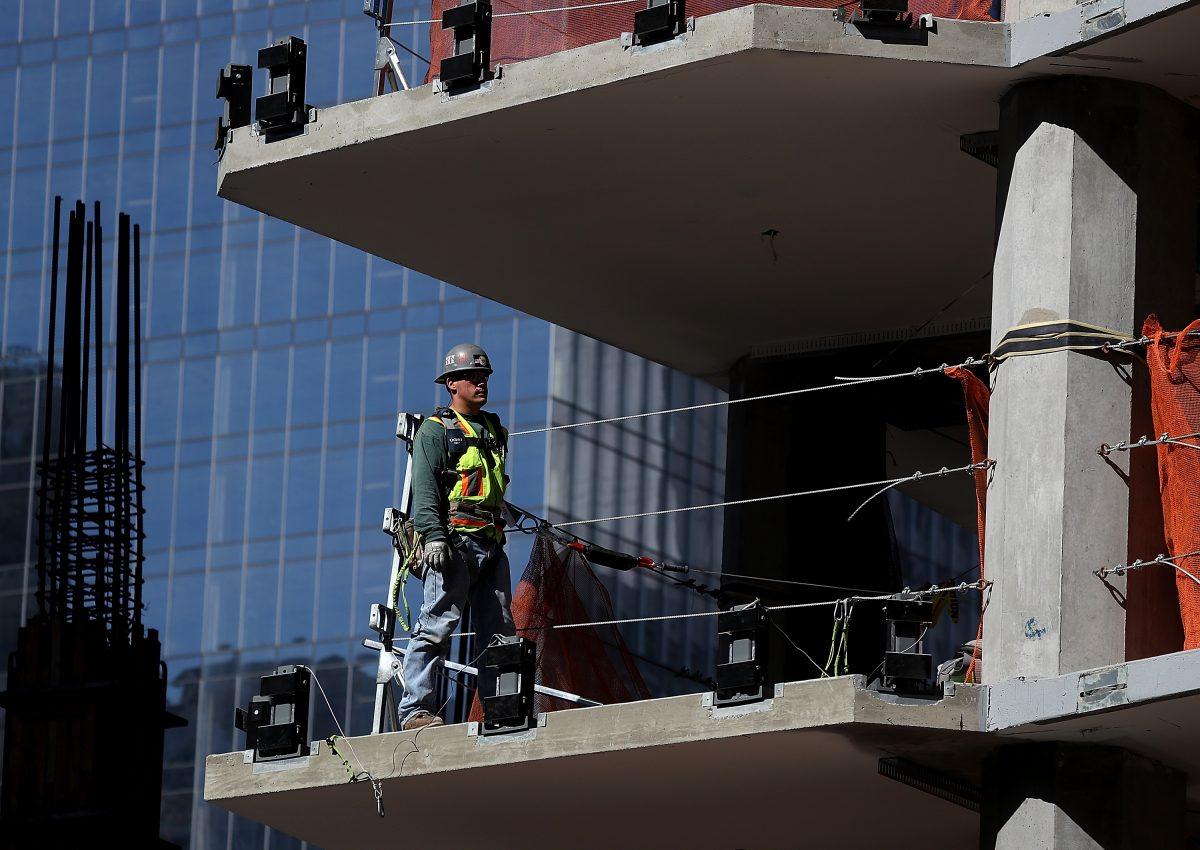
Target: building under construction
86 694
949 249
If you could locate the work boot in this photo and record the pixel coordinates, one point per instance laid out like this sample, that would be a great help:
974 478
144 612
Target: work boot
421 719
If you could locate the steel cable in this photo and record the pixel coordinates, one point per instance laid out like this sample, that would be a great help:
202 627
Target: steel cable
840 383
886 483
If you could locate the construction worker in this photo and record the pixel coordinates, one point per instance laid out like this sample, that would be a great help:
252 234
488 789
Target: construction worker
458 485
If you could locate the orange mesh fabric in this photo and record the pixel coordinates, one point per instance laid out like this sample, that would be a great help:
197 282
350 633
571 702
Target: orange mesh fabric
520 37
558 586
977 397
1174 363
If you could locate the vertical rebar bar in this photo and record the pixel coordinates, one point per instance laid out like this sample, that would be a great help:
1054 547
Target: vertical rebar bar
81 434
70 578
91 525
99 327
48 415
103 547
85 366
137 420
121 419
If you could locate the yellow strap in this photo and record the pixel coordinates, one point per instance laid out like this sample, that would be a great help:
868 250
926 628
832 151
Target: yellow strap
466 426
463 423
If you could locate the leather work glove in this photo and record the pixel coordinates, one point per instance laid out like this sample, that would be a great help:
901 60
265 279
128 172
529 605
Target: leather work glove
436 555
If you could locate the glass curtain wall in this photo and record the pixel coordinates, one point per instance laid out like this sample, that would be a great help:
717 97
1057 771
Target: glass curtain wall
275 362
636 466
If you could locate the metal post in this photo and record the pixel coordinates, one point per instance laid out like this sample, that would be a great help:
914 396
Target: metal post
388 669
384 718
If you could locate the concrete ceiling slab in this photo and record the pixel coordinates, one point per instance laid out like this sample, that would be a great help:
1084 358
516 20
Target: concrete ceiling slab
626 195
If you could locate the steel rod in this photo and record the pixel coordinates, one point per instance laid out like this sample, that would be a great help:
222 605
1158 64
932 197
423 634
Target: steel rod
81 430
70 576
87 337
121 418
137 419
99 228
104 554
48 414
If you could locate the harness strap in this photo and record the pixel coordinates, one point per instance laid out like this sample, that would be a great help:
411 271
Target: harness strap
477 511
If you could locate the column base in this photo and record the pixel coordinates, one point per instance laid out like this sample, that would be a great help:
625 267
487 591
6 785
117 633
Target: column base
1077 797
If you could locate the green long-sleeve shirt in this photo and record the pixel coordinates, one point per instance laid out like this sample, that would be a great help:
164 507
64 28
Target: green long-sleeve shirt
430 500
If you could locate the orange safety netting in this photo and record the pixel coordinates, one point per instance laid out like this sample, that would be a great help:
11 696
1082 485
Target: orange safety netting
558 587
520 37
1174 364
977 397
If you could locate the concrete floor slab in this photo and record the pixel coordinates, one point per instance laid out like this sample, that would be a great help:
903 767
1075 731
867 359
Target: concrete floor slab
662 772
625 194
666 770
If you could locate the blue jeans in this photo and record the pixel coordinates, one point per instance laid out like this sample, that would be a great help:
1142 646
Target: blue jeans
477 574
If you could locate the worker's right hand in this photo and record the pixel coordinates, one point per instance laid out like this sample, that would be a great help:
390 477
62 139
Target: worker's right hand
436 555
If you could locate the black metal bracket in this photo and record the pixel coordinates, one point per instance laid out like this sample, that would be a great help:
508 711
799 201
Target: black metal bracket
276 721
906 668
742 655
235 87
885 13
511 661
282 111
661 20
470 63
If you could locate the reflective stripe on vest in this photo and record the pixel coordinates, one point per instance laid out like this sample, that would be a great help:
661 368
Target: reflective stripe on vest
479 479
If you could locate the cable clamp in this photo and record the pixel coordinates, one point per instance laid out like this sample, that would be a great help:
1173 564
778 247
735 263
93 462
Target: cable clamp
378 788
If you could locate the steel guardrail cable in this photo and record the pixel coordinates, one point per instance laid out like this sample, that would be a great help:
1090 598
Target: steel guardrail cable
532 524
886 483
840 383
961 587
1121 569
1162 439
1144 340
791 606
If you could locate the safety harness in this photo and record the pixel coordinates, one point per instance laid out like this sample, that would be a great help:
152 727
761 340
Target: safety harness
475 482
475 479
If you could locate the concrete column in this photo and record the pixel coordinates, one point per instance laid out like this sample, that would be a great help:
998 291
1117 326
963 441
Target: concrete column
1097 223
1078 797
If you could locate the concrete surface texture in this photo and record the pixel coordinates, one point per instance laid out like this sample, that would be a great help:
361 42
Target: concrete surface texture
1098 197
1017 10
601 775
666 772
1093 219
881 219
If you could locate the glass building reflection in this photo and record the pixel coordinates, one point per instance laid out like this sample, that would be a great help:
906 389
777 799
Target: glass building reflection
275 362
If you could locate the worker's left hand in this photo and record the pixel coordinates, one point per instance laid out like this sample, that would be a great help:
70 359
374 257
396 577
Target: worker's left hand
436 555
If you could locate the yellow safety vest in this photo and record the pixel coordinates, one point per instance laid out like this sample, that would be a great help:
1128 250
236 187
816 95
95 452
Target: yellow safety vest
476 480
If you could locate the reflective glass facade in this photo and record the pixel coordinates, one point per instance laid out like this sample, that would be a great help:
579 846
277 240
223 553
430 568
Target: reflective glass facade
274 365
